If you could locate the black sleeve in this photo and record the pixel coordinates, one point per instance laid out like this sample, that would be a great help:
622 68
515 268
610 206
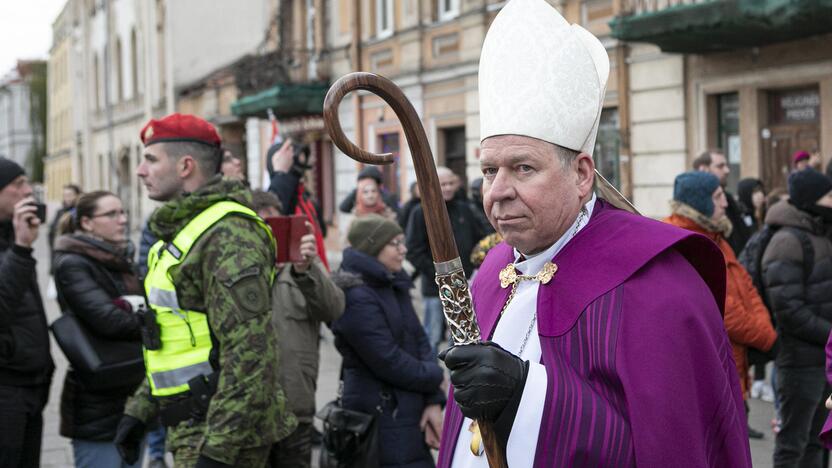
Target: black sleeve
285 186
17 273
86 299
787 296
418 249
392 200
348 203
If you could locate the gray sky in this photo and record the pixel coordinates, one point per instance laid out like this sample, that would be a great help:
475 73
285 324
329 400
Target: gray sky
26 30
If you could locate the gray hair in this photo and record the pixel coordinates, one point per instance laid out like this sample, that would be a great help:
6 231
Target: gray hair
566 155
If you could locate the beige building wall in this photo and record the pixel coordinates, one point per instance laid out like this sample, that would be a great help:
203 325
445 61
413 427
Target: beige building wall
60 166
657 133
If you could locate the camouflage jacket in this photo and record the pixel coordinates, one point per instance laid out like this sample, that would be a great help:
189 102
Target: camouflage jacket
227 274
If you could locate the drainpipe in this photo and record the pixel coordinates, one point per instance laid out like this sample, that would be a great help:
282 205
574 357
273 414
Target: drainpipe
625 164
355 55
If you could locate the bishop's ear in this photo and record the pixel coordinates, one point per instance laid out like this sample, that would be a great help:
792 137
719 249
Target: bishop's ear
585 169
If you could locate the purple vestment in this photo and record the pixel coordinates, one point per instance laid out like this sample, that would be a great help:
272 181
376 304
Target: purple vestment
640 370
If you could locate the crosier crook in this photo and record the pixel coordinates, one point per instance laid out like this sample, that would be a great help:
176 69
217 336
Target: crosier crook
453 286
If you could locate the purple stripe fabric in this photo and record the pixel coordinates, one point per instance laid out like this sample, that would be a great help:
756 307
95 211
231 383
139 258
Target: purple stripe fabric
585 408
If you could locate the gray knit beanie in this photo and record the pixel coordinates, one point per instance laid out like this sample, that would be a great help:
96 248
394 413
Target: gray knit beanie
370 233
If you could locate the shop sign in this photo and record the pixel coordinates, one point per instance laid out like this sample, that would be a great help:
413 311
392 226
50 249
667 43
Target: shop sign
796 106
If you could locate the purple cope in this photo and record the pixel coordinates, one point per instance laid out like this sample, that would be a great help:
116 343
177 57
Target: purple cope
639 366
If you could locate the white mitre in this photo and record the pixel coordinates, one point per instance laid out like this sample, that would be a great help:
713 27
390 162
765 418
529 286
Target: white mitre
541 77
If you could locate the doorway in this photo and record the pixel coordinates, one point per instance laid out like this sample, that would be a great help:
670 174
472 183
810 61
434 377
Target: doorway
794 116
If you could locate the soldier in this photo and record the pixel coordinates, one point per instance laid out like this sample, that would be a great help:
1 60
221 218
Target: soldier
210 351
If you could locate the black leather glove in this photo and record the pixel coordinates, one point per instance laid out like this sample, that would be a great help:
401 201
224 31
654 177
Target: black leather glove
205 462
128 440
486 380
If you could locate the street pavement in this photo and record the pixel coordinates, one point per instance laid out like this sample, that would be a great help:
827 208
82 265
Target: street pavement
56 451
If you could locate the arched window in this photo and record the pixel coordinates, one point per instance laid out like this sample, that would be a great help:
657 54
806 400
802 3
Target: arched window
134 64
119 72
96 81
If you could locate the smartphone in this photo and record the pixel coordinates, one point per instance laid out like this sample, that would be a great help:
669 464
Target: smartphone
40 211
288 231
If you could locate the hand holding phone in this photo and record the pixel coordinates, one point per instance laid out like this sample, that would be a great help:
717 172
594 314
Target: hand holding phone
308 249
26 222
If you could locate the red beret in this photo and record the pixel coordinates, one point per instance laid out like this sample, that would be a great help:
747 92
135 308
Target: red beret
800 156
180 127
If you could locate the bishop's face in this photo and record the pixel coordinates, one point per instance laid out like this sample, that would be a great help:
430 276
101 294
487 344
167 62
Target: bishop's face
529 195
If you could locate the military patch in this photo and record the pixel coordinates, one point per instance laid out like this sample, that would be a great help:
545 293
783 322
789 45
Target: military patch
251 295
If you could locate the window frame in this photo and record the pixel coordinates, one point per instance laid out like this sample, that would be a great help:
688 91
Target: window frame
384 32
444 14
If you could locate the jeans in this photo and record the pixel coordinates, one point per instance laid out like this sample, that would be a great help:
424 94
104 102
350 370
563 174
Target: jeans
295 451
434 321
89 454
156 443
802 392
21 425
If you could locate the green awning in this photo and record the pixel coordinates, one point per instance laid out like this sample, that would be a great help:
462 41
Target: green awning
286 100
718 25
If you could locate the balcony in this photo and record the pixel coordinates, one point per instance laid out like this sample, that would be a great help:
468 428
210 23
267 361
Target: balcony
701 26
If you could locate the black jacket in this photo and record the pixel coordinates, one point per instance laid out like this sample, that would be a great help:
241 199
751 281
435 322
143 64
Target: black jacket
803 308
89 276
24 337
467 232
285 186
741 231
387 359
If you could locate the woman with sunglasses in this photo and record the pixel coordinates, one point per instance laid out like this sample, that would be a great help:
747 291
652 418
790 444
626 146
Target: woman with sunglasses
95 279
388 368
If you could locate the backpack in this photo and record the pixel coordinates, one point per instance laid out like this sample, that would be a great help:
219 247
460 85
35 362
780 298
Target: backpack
751 257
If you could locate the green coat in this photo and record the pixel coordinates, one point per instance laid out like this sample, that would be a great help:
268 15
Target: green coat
227 274
301 302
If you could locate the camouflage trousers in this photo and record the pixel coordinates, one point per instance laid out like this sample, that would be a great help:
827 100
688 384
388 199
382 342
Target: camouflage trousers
186 457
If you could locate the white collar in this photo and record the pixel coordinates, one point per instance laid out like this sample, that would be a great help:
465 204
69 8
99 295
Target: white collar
534 263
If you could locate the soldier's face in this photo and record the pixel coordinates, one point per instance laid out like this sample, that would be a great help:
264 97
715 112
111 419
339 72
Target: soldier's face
529 195
159 173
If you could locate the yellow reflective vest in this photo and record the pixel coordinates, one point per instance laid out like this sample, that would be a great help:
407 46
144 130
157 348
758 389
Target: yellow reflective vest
185 334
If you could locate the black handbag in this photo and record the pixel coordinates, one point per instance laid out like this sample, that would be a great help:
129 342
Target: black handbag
100 363
350 438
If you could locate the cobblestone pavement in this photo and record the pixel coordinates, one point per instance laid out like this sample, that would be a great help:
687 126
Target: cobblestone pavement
56 451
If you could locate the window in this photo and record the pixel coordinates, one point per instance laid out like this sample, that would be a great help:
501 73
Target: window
96 81
119 72
384 18
448 9
453 147
134 64
728 129
606 147
389 143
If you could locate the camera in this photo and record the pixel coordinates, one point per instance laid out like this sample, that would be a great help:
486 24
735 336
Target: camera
301 153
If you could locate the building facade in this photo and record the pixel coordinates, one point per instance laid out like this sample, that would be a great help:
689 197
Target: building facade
119 63
751 78
431 50
62 164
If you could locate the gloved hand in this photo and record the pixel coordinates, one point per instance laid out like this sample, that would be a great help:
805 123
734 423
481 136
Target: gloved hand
205 462
128 440
486 379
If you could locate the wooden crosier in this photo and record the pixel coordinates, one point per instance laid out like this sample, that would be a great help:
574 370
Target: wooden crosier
453 286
